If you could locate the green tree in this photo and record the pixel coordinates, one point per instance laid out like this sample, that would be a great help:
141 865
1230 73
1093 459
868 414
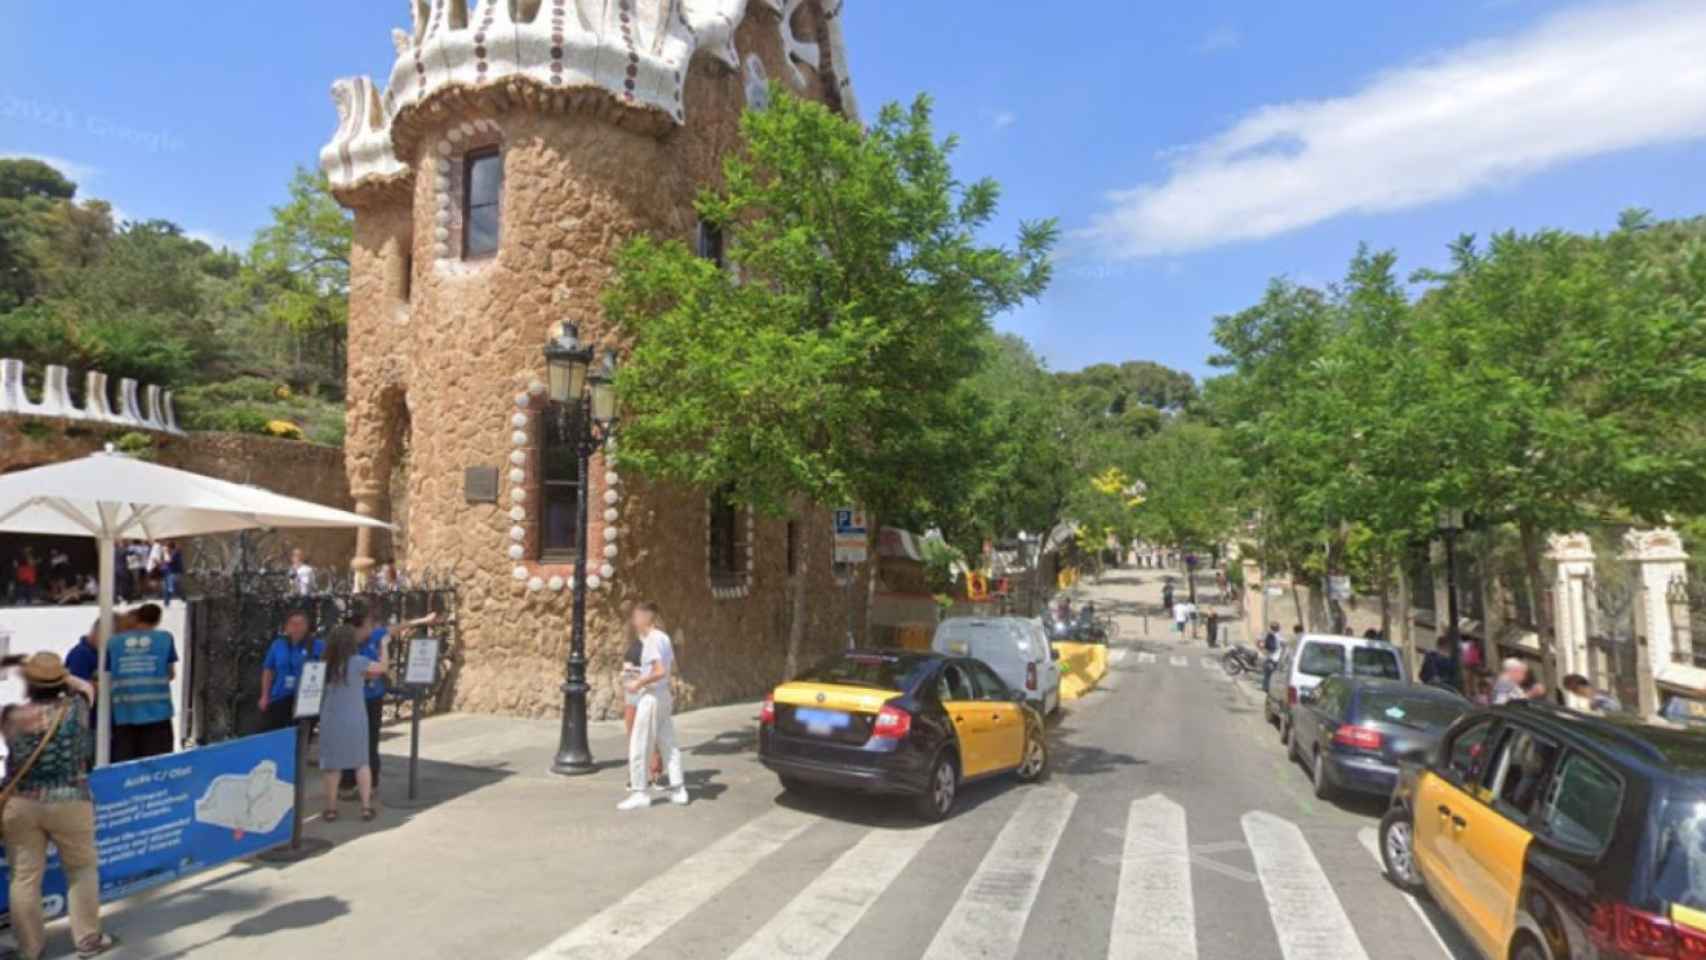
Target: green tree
29 193
1013 447
824 363
297 277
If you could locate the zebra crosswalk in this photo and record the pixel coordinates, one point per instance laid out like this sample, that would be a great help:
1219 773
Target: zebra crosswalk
1171 660
1154 896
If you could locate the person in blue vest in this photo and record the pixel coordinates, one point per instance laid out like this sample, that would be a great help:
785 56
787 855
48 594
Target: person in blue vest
142 662
281 670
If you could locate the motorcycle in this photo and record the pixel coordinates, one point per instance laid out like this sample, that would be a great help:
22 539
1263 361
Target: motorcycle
1240 660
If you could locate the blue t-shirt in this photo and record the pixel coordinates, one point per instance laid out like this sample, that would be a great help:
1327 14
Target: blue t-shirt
140 662
83 660
374 687
285 660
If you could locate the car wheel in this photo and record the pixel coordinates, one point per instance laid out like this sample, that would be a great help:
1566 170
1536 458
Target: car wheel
1034 766
1398 852
937 800
1528 950
1324 788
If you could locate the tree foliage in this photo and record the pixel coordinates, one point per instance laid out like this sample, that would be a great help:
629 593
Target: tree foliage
145 300
1544 380
828 359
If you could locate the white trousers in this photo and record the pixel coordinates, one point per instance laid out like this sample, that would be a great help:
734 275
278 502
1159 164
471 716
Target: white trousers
652 726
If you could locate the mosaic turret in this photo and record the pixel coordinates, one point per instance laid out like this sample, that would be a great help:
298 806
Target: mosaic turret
637 52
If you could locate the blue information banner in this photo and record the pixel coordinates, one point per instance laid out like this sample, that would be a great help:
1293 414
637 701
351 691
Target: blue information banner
163 818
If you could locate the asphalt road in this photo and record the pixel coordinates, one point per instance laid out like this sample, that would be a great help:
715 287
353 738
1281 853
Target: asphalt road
1172 827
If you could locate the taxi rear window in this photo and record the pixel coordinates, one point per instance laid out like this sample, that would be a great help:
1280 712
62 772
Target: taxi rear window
1680 867
875 671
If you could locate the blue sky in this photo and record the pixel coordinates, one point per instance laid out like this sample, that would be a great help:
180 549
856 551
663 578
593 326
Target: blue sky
1191 151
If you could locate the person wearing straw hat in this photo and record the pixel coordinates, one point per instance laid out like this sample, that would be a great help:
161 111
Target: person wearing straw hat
46 798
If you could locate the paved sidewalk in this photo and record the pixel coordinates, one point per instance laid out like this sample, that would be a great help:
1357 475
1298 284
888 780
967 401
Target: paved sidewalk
500 839
1133 596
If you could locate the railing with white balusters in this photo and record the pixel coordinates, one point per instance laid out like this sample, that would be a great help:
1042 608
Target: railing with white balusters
139 407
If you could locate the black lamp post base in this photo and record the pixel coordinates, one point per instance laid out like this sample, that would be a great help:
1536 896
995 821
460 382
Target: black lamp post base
569 765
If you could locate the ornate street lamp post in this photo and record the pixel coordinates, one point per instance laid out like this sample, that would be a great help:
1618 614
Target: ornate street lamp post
586 408
1450 525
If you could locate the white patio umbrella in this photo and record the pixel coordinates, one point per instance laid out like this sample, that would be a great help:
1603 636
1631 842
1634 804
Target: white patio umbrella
113 497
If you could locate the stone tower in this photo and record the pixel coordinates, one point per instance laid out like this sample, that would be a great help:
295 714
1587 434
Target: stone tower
518 144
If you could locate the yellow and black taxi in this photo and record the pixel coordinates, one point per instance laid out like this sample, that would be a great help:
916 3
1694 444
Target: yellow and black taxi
1548 834
900 722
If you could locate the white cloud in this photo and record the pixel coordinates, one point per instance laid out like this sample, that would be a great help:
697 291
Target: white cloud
210 238
1220 40
78 173
1002 119
1589 81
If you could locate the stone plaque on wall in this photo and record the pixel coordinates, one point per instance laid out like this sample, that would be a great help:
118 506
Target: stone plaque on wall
480 485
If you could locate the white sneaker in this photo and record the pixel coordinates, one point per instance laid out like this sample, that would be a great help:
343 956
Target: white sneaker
635 801
679 797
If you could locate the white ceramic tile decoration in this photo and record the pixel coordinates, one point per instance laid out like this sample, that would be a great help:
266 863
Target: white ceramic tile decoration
636 50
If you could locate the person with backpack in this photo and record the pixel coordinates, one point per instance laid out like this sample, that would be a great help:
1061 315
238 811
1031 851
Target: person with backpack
1270 652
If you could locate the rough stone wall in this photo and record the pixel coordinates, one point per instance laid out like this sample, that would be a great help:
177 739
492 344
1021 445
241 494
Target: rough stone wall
308 471
470 340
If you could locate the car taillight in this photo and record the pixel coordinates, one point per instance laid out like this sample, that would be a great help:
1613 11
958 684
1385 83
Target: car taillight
1360 737
892 722
1632 931
1291 696
1030 676
767 713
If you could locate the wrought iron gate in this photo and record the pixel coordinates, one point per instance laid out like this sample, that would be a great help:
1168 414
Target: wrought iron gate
237 611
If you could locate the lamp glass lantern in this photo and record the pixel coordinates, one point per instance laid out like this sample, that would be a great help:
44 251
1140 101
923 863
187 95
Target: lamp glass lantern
566 363
605 403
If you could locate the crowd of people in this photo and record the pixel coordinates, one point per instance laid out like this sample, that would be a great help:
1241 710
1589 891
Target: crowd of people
141 570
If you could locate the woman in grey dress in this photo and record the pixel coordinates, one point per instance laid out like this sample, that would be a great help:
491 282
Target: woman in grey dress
343 719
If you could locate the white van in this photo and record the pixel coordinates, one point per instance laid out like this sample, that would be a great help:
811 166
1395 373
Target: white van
1016 649
1320 655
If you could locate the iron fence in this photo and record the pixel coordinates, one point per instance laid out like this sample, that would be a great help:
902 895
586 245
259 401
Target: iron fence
237 612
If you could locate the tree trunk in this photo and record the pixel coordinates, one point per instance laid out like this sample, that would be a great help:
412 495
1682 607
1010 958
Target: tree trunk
797 584
1537 605
873 531
1406 631
1542 610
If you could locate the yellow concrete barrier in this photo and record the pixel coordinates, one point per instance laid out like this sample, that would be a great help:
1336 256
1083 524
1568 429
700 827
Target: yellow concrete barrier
1082 666
913 636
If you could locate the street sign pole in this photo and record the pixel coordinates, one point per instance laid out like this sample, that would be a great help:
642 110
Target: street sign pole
852 547
309 691
419 674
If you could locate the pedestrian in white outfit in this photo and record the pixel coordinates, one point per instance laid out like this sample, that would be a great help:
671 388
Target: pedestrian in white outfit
653 725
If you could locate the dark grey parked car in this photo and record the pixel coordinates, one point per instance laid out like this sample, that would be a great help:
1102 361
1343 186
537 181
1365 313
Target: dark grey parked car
1351 731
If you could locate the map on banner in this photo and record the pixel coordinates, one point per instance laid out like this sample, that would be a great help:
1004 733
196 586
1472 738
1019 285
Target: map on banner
164 818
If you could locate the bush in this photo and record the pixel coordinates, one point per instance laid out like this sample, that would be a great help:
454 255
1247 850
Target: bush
258 405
